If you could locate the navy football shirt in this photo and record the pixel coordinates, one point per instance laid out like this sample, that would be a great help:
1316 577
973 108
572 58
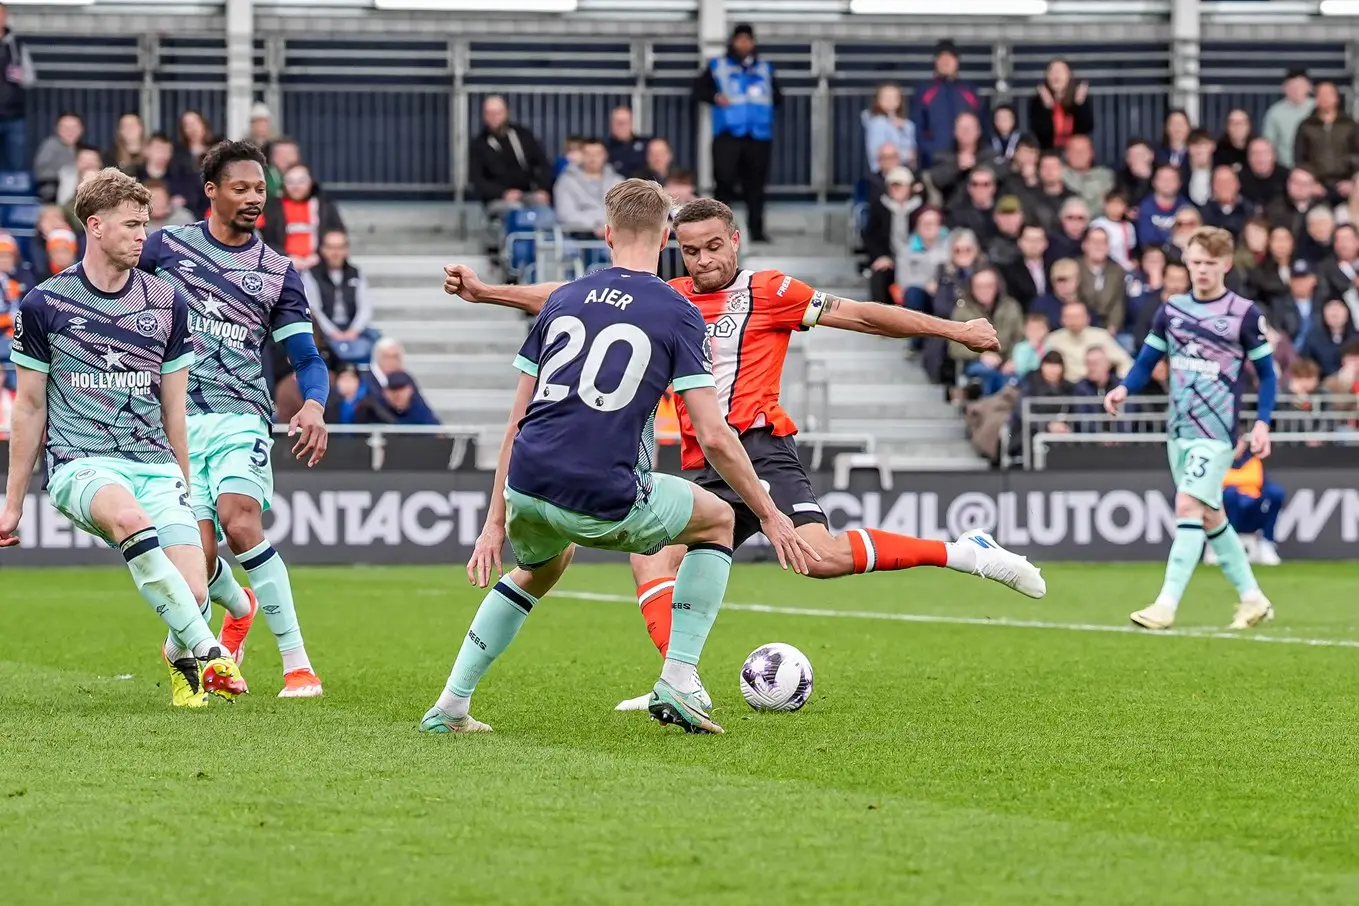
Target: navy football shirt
240 295
104 354
603 349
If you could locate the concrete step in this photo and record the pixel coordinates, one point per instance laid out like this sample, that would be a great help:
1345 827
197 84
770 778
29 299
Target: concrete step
472 407
464 371
887 398
425 336
912 430
434 303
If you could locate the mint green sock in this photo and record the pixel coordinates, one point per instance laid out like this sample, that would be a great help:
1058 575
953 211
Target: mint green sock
1231 556
269 580
226 592
175 647
166 591
699 586
502 612
1185 552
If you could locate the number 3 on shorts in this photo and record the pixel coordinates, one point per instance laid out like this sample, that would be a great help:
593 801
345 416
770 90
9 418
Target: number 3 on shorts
1198 466
259 457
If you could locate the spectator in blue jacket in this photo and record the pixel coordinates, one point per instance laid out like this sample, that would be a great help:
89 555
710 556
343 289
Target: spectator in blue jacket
1328 335
1174 148
1156 213
743 92
940 102
399 403
885 123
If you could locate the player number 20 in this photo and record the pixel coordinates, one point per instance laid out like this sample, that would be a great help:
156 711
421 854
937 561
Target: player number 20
574 330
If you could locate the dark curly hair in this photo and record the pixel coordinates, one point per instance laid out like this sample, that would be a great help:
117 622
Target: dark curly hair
223 154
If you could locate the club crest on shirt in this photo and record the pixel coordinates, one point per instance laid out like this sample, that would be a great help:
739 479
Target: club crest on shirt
252 284
18 325
1221 326
147 325
738 301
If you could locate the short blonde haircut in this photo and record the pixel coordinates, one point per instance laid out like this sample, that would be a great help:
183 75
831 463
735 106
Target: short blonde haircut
638 206
1216 241
106 190
1065 267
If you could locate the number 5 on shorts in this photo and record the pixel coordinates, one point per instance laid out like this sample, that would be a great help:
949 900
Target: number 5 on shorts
259 457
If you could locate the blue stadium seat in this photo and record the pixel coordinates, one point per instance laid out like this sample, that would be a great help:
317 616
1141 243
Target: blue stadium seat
19 216
16 182
858 205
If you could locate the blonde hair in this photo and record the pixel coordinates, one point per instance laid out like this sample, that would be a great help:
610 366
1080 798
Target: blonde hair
638 206
1216 241
1066 267
106 190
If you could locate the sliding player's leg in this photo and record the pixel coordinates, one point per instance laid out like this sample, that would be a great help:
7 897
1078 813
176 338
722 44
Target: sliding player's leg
543 552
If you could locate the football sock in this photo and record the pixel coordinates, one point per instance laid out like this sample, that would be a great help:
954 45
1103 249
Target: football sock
655 598
682 676
1231 557
166 591
875 551
269 579
699 586
226 592
502 612
1185 552
173 649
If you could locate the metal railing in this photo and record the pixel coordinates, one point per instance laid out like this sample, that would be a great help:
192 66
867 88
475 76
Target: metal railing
395 115
1322 418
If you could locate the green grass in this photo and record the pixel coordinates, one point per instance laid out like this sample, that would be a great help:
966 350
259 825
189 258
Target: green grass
936 763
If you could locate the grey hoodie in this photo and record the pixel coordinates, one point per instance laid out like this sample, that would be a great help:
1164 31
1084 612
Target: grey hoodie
579 198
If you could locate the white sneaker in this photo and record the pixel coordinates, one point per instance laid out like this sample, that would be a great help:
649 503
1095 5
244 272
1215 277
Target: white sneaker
1009 569
1157 616
1253 610
1266 554
643 702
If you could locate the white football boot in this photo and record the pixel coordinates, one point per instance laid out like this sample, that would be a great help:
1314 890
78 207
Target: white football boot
1253 610
1266 554
643 702
1158 616
1009 569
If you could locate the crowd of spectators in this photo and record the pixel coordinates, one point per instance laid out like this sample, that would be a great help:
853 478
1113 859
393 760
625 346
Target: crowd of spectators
1070 256
299 221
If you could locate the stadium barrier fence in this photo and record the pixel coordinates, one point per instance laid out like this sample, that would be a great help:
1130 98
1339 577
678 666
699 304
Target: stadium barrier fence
342 516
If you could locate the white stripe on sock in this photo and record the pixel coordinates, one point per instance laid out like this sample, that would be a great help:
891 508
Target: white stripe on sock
653 592
870 553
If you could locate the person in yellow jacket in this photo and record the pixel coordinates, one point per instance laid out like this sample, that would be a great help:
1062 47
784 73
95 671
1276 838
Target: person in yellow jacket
1252 504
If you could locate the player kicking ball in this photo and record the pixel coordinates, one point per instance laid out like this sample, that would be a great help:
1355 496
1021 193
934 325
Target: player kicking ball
103 355
750 317
1209 335
242 292
574 467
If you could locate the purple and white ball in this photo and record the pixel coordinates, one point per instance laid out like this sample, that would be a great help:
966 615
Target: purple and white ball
776 677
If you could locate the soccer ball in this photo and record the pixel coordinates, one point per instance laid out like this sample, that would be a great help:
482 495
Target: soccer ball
776 677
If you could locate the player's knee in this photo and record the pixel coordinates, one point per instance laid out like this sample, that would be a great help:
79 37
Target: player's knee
243 529
1187 507
199 586
127 520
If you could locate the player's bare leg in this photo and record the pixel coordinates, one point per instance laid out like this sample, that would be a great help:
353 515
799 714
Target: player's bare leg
502 612
846 554
239 603
171 589
242 521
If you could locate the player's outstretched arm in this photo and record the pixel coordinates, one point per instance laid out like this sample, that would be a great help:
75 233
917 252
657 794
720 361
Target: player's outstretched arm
486 554
174 398
28 422
900 323
460 280
724 453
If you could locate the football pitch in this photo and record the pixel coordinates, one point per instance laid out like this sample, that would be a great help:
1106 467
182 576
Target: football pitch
964 745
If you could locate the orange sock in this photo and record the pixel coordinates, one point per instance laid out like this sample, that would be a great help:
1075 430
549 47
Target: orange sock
876 550
655 598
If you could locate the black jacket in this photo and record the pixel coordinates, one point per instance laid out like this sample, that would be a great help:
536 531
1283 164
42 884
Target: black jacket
1040 121
511 159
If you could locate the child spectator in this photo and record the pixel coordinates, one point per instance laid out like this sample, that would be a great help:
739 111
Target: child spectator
1327 337
983 299
1061 107
342 407
1345 382
1156 214
1299 413
1199 182
1005 134
886 123
1029 351
1122 235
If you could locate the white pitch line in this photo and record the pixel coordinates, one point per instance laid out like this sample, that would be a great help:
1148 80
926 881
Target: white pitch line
996 621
